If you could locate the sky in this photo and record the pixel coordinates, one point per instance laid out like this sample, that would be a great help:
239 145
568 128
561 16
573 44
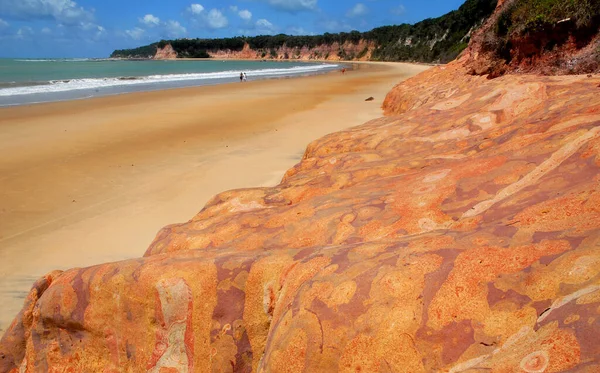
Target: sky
94 28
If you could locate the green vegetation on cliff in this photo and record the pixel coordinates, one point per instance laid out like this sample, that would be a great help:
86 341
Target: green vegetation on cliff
141 52
549 32
432 40
523 16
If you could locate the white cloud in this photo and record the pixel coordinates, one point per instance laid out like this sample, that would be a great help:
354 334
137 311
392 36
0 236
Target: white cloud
245 14
3 24
91 31
87 26
46 31
174 29
24 32
264 23
298 31
260 27
263 26
293 5
195 9
215 19
334 26
233 8
65 11
150 20
136 34
84 31
100 31
399 10
358 10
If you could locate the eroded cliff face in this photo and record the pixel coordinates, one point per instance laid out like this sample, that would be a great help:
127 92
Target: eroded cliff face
166 53
564 47
360 51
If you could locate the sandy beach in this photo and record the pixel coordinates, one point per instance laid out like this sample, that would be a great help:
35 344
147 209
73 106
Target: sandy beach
91 181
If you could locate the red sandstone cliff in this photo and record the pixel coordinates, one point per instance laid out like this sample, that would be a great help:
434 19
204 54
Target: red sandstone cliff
458 234
360 51
166 53
561 47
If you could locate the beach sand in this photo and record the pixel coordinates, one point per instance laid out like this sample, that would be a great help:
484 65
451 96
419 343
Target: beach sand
92 181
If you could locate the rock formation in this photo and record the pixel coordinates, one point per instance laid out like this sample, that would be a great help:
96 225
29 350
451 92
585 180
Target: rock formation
546 46
166 53
360 51
460 233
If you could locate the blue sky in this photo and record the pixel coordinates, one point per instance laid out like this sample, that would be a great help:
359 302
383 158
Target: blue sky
94 28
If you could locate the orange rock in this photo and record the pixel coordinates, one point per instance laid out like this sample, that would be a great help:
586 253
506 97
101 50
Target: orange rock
458 234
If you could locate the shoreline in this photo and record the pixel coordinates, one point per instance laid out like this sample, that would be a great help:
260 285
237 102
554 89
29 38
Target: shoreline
159 90
92 181
30 93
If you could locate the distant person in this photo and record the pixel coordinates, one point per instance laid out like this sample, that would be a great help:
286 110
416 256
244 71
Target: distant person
241 77
245 77
343 71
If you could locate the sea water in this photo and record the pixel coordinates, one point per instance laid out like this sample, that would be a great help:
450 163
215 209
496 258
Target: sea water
25 81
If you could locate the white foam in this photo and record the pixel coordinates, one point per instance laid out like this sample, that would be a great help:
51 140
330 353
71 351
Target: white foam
97 83
60 60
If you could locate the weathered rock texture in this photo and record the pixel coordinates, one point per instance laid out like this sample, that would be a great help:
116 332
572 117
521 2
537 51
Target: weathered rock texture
166 53
360 51
459 234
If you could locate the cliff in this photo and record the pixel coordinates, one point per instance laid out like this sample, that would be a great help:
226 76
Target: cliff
459 233
437 40
359 51
166 53
552 37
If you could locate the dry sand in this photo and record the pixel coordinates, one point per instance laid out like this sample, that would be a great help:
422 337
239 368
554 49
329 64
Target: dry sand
91 181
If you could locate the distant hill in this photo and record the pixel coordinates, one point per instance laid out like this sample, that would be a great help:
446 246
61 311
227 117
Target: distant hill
432 40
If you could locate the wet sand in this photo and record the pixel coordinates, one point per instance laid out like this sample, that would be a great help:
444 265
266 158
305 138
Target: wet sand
92 181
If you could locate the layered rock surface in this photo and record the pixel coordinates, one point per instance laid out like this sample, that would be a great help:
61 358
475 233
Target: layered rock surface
460 233
460 236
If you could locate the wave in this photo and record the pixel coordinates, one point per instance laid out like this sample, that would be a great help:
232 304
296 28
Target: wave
21 84
98 83
62 59
33 60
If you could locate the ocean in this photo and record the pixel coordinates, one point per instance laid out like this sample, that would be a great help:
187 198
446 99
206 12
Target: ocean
26 81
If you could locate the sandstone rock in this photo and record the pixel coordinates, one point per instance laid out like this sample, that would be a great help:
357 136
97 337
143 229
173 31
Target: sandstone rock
360 51
459 236
166 53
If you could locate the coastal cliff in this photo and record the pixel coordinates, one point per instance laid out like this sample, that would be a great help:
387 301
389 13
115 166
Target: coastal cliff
459 233
437 40
165 53
359 51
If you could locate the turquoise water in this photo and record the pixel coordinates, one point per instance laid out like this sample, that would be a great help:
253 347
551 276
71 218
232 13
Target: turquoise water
25 81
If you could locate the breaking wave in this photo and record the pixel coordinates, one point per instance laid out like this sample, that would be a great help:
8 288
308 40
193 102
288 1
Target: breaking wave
98 83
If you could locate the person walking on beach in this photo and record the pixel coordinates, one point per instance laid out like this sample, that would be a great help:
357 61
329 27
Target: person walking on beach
245 77
241 77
